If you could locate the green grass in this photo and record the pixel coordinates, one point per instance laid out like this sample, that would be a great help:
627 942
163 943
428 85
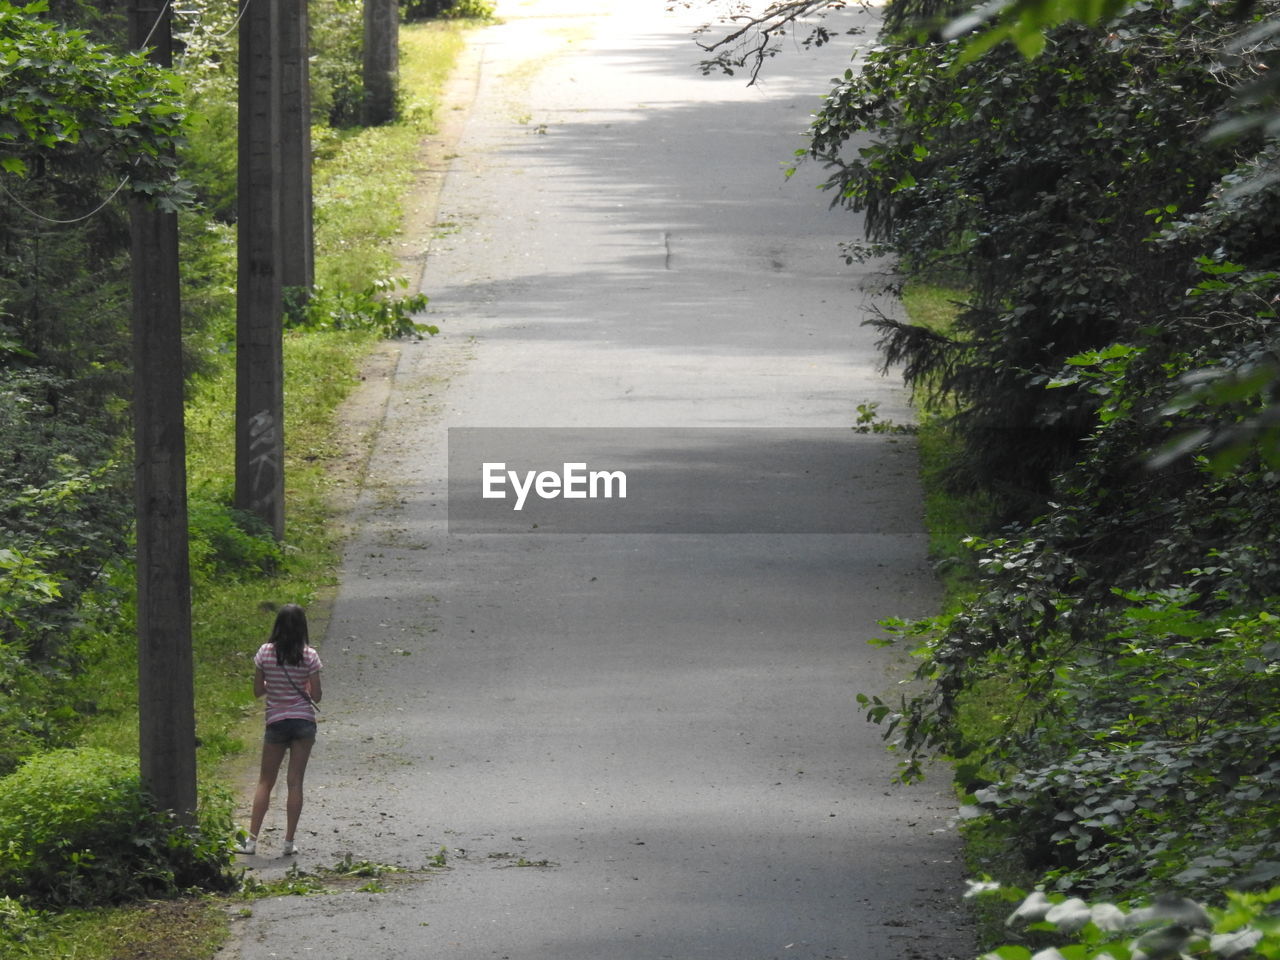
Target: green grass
950 517
361 178
364 174
188 929
931 305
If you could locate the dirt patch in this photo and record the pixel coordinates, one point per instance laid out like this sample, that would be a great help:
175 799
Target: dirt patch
360 416
422 203
357 423
170 930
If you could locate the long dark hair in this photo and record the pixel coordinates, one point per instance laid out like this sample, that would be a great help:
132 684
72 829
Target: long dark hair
289 635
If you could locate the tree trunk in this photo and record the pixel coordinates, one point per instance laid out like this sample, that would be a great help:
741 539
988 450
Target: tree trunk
297 271
259 356
381 60
166 689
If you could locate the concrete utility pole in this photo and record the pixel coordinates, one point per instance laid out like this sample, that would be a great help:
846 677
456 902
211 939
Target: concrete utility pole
381 60
298 243
259 418
166 694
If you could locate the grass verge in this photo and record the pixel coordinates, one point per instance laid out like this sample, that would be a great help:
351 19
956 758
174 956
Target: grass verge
363 175
361 179
190 929
950 517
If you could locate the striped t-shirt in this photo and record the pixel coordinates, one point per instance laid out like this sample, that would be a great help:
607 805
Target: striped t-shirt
284 702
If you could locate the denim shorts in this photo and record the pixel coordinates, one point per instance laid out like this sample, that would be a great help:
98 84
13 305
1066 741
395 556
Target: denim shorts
286 731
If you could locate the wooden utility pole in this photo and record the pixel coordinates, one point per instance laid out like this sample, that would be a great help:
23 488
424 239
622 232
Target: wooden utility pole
381 60
297 252
166 690
259 354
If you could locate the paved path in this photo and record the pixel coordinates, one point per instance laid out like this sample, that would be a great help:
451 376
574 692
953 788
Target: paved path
632 745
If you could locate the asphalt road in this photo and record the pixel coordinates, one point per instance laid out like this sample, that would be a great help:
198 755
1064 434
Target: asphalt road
626 733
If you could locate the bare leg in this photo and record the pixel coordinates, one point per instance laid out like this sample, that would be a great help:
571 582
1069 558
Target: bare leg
272 756
299 754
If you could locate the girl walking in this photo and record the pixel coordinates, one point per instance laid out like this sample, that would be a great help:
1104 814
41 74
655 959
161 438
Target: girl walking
287 673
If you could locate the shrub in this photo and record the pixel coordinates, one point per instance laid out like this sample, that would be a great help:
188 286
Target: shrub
35 712
76 829
448 9
1197 815
337 88
1170 927
229 542
376 307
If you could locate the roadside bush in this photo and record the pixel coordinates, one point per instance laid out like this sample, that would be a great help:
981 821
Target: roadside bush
76 829
1196 816
376 307
447 9
230 543
65 512
1246 926
337 87
16 921
36 711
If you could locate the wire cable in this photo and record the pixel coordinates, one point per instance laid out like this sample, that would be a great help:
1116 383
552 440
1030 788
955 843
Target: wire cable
40 216
164 10
239 16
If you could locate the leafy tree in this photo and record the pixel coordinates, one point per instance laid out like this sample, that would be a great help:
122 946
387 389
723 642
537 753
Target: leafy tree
77 106
73 109
1037 181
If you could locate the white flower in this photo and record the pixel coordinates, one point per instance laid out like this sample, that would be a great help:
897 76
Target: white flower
1070 915
1032 909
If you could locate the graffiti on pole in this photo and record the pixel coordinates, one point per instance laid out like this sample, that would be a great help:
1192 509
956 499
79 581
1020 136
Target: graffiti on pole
264 462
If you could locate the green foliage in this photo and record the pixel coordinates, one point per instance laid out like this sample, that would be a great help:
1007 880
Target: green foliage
1182 814
30 712
1106 684
16 921
448 9
230 543
65 514
337 86
80 116
296 882
1038 179
376 308
1246 926
77 829
301 883
1137 722
469 9
70 101
869 421
209 160
1027 25
27 588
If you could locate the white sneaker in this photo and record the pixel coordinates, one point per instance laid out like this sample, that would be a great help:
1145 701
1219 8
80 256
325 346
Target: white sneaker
246 845
290 849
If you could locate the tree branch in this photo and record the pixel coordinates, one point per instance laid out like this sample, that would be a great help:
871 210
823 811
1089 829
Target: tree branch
752 39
